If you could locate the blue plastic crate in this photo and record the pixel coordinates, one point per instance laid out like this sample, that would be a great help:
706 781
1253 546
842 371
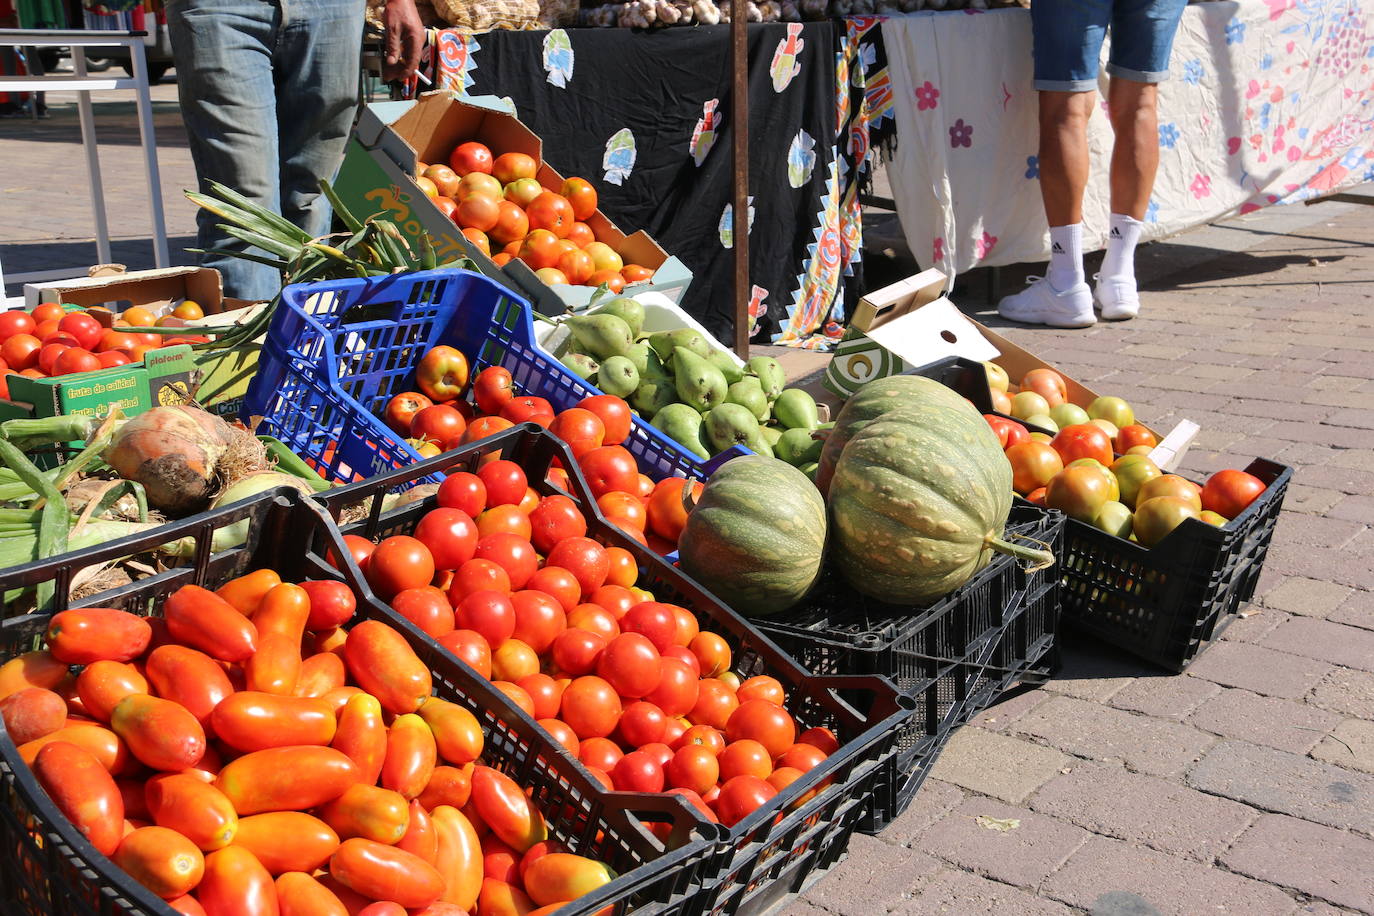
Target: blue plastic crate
337 351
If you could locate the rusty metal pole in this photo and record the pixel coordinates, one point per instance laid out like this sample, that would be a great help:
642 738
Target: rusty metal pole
739 40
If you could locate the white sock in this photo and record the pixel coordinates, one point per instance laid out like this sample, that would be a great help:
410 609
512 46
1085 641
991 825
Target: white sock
1066 256
1119 262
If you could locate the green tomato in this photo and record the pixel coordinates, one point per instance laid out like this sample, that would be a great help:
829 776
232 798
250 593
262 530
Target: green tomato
997 376
1114 410
1027 404
1067 414
1114 518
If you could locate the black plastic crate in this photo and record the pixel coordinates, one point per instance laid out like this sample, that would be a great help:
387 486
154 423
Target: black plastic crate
48 869
1168 602
784 846
953 657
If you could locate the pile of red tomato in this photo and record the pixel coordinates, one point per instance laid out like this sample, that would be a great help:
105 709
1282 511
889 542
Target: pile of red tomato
437 418
506 212
50 341
631 686
247 754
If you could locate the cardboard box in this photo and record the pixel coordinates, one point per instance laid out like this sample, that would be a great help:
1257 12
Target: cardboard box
377 178
111 287
164 378
911 324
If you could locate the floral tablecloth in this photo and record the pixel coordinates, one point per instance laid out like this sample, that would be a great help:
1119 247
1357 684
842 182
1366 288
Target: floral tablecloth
1269 102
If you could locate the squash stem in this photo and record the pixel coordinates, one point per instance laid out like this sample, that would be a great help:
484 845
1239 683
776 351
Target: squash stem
1039 559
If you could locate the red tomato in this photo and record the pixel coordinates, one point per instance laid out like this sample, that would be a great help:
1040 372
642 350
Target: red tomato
677 688
820 737
684 655
80 637
492 388
704 735
514 661
631 665
1009 432
716 702
694 767
624 569
558 582
803 757
555 519
426 607
471 647
515 555
528 409
581 429
20 352
600 753
762 687
385 872
656 621
539 618
615 416
108 360
450 535
591 707
1229 492
471 157
585 559
615 598
740 797
642 723
84 791
52 311
504 519
540 249
16 321
712 652
764 722
552 212
440 424
463 491
611 279
1083 440
360 549
478 575
745 758
609 468
505 482
398 563
596 619
489 613
667 517
331 603
401 410
1127 437
75 359
637 772
83 327
162 860
624 510
47 357
1048 384
506 809
575 650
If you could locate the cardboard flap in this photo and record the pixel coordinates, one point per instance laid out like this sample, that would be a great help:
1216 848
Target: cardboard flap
934 332
898 299
148 288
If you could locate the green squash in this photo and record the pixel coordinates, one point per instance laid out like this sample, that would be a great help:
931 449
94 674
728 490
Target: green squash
870 402
919 501
756 537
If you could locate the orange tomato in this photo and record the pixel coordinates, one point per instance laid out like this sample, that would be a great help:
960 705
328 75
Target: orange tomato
284 609
512 225
624 571
667 516
286 779
90 634
624 510
509 167
320 673
160 733
482 427
448 786
384 664
236 882
83 791
580 234
411 753
100 686
576 266
202 620
255 721
497 898
611 279
275 667
102 743
1033 465
478 238
506 810
478 211
386 873
189 677
298 894
505 519
458 856
193 808
551 276
361 735
162 860
32 669
501 260
560 876
372 812
246 592
540 248
634 273
552 212
420 838
427 186
285 841
581 196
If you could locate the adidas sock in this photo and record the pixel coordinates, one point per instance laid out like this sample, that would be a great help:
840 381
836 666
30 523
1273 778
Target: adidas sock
1119 262
1066 256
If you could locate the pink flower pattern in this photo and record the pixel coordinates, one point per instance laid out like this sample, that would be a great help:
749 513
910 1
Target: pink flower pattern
983 247
938 251
927 97
1201 186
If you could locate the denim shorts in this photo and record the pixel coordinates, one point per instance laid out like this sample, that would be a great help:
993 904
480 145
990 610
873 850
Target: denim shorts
1068 37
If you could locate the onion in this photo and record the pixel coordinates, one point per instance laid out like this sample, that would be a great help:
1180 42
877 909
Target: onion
173 452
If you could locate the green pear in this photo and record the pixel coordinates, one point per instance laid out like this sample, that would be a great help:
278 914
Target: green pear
682 424
771 435
638 355
797 448
582 365
699 383
665 342
653 366
796 409
617 376
769 374
733 424
601 335
652 395
626 309
723 361
747 392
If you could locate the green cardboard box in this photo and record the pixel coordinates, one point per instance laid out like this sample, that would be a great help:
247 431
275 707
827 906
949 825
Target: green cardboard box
164 378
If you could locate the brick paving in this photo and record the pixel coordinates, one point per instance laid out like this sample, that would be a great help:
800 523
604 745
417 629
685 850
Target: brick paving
1243 786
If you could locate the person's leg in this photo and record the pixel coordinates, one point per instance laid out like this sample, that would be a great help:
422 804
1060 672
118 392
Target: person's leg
1067 36
1142 39
222 51
318 64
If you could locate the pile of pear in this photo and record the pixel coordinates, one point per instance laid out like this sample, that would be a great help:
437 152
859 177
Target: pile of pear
694 392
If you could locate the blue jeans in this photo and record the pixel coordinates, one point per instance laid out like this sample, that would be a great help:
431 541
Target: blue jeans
1068 36
268 90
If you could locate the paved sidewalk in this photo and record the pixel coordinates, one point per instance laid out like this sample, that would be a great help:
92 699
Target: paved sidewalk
1246 785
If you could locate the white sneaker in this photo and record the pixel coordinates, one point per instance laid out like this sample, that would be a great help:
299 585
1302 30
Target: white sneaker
1116 298
1041 303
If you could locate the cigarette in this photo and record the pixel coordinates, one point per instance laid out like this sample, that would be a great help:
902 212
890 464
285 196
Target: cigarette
422 78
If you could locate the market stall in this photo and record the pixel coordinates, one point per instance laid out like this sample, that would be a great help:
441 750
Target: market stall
1266 105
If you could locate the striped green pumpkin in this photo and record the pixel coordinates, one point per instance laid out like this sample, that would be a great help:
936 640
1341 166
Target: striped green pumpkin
756 537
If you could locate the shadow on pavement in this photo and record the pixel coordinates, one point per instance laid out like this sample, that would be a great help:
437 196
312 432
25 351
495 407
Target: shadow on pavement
135 254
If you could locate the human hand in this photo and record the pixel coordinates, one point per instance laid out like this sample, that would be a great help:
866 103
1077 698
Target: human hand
405 37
